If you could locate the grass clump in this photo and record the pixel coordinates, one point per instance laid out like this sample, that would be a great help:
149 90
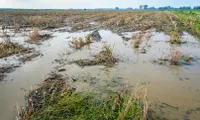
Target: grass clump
78 43
175 57
59 102
137 41
8 48
105 57
175 37
35 37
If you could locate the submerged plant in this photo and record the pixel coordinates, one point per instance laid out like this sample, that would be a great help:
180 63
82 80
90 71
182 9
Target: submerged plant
175 57
138 41
78 43
35 37
105 57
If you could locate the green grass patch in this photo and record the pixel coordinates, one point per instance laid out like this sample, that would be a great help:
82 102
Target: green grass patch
75 106
54 101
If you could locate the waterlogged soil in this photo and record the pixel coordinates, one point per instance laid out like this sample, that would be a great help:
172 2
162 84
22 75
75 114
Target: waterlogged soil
173 91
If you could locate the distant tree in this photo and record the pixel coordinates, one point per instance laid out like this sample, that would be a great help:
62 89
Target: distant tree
185 8
129 8
116 8
145 7
85 9
196 8
151 8
141 7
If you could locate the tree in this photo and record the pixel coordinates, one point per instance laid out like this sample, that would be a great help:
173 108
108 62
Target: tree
141 6
145 7
117 8
196 8
129 8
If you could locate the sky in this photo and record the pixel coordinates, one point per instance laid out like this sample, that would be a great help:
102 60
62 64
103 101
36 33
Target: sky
65 4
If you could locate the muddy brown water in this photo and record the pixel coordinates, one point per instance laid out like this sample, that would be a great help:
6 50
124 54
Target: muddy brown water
173 91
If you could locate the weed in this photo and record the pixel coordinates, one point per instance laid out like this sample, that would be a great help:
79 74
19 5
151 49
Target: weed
35 35
175 57
88 39
16 28
80 26
78 43
175 37
138 41
8 48
187 58
105 57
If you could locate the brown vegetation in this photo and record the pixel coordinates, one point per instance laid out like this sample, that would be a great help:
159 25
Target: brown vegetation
8 48
137 41
175 57
78 43
35 37
105 57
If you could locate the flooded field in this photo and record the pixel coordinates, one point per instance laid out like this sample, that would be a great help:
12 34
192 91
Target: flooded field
170 72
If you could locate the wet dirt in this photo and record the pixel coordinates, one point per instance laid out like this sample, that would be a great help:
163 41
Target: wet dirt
173 91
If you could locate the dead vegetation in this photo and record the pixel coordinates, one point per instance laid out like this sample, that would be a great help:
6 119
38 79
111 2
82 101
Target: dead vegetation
8 48
79 42
137 40
175 37
117 21
176 58
80 26
105 57
29 18
35 37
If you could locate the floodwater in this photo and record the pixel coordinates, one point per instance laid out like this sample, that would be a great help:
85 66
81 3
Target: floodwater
173 91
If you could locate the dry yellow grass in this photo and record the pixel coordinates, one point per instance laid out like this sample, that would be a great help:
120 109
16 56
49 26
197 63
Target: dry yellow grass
35 34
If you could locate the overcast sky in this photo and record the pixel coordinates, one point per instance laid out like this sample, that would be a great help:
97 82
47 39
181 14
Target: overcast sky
63 4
